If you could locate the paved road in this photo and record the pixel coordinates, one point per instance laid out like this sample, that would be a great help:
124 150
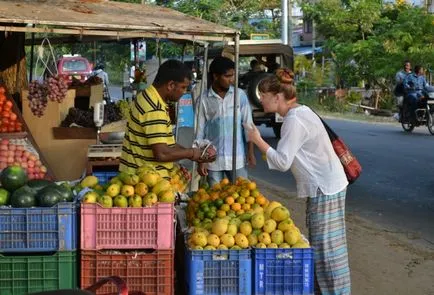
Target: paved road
397 185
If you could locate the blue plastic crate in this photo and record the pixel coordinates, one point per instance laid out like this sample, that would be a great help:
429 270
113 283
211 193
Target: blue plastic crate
283 271
212 272
105 176
38 229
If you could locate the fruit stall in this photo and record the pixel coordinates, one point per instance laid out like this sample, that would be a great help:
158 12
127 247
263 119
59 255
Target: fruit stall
61 229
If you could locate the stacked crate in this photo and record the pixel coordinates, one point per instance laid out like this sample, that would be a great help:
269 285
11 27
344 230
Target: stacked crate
38 249
136 244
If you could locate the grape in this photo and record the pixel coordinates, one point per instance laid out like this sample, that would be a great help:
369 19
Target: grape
57 88
37 98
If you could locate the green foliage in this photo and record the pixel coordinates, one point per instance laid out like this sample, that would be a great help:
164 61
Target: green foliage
369 41
312 75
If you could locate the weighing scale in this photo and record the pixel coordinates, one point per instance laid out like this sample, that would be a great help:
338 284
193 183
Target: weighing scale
100 154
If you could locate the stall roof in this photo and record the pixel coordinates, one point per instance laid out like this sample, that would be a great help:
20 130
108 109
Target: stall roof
106 18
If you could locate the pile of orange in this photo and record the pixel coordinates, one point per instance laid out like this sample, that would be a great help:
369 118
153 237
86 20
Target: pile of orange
225 199
8 119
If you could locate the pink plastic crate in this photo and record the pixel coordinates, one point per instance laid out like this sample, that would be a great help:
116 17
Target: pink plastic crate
127 228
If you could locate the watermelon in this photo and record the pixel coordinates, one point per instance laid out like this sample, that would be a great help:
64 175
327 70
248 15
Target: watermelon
24 197
48 196
13 177
38 184
65 193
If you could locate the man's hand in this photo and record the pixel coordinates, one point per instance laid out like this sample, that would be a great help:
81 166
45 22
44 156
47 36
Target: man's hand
251 160
202 169
197 153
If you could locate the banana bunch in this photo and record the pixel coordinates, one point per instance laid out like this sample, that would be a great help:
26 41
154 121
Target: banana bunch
124 106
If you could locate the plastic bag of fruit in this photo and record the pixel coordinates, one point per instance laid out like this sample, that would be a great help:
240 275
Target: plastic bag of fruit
208 150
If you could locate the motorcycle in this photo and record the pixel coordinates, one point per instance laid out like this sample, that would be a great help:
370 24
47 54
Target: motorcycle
424 112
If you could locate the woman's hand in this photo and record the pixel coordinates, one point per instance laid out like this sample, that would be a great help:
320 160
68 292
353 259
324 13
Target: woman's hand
253 133
254 137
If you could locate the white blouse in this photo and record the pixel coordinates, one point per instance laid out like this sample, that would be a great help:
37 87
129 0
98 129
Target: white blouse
306 148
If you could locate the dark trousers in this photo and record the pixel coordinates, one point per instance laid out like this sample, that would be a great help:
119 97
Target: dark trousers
413 99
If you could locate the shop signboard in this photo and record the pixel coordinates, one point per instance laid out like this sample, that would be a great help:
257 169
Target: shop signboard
185 111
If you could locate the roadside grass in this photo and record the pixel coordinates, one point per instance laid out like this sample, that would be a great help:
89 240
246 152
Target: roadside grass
330 107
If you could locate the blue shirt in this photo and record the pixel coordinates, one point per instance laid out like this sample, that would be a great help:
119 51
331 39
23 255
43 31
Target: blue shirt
215 123
415 82
400 76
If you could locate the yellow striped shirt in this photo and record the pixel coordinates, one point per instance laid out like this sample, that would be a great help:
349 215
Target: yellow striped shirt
149 124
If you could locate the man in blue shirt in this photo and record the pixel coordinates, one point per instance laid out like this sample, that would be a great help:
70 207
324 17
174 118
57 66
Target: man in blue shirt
216 123
400 77
414 84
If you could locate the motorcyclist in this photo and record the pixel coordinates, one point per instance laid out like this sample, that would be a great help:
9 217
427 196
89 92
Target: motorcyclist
414 84
100 73
399 79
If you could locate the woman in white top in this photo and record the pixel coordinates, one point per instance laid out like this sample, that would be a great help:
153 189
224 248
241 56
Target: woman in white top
305 148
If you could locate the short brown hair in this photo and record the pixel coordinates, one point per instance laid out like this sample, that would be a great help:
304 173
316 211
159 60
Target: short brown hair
281 82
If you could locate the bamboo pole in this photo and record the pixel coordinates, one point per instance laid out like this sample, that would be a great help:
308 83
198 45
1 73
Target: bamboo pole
236 104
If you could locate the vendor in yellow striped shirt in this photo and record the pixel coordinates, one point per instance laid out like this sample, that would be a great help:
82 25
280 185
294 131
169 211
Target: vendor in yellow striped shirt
149 138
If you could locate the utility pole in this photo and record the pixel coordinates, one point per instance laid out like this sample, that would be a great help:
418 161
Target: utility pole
284 22
313 42
290 24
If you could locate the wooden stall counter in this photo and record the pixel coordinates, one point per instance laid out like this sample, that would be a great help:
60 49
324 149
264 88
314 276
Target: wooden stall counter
66 157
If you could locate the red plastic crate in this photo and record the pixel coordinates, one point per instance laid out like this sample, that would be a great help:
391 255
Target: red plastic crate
150 273
127 228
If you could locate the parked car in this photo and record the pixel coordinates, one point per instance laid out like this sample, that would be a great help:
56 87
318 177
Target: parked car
74 67
274 51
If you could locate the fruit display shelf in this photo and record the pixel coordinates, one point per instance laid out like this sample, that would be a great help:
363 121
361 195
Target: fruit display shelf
24 134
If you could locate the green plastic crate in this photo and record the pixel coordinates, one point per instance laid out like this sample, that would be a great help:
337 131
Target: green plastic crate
23 274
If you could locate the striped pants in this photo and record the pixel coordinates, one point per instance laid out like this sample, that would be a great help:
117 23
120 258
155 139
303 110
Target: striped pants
326 223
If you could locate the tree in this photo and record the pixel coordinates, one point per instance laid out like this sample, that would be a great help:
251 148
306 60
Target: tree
232 13
370 41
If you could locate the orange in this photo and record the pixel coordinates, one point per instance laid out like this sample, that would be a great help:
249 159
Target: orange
261 200
224 181
251 185
246 207
196 198
229 200
216 187
241 200
250 200
204 197
230 212
245 193
239 212
240 179
225 207
235 195
221 213
236 207
254 193
214 196
232 189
